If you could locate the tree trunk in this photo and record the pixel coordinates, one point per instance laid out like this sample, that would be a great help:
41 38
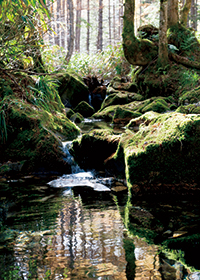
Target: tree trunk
70 26
78 26
63 20
163 59
121 12
114 24
184 12
100 27
109 22
137 52
172 11
88 27
193 15
57 39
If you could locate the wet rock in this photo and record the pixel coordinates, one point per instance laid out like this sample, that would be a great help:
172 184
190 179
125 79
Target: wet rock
194 276
92 149
84 109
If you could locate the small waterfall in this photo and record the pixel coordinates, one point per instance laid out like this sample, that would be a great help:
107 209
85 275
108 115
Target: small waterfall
69 158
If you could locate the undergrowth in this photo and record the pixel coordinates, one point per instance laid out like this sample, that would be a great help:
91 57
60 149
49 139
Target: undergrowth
104 65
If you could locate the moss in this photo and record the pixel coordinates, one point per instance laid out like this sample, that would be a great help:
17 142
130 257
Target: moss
69 112
189 109
158 105
124 116
192 96
77 118
165 149
92 149
33 134
84 109
71 89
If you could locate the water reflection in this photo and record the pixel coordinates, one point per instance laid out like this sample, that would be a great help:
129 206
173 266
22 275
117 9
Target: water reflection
87 244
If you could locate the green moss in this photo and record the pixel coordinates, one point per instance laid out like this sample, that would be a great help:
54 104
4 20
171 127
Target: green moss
123 115
77 118
192 96
158 105
71 90
165 149
84 109
189 109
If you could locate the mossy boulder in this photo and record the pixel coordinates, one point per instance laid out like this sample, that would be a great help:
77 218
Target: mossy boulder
165 149
123 116
84 109
190 97
71 89
77 118
92 149
120 98
189 109
156 104
34 134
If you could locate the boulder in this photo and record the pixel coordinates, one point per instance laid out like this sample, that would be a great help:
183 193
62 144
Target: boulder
84 109
165 149
33 134
93 148
72 90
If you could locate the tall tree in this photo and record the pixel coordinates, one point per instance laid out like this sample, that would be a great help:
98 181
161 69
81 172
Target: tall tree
70 29
57 39
78 25
109 23
184 12
100 27
63 20
88 27
163 50
172 12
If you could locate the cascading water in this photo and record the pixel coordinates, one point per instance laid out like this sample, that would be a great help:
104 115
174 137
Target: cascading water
78 176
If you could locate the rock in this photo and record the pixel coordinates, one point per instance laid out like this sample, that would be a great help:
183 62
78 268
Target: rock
165 149
93 148
77 118
72 89
35 135
84 109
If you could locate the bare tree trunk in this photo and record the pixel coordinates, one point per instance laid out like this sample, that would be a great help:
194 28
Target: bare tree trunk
172 12
70 26
193 15
109 22
78 26
57 39
163 59
63 20
88 27
114 23
121 12
100 27
184 12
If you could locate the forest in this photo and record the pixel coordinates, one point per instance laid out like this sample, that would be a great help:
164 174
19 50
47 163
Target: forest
99 139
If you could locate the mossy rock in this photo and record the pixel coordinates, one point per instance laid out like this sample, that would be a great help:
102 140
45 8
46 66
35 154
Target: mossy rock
121 85
192 96
77 118
123 116
92 149
166 149
34 135
69 112
84 109
189 109
159 105
71 89
120 98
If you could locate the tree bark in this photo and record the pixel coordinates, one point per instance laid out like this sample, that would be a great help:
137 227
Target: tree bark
163 59
78 26
184 12
88 27
109 22
100 27
57 39
137 52
172 11
70 26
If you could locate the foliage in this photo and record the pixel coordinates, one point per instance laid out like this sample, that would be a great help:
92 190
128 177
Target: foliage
21 27
106 64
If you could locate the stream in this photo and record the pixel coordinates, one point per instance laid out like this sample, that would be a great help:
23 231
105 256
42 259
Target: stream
85 226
